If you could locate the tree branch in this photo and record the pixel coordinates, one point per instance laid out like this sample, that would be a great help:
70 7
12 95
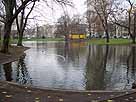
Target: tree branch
21 7
26 18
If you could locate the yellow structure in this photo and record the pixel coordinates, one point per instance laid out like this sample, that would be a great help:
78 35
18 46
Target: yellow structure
77 36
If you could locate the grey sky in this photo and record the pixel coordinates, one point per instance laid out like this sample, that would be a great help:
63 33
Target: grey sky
47 15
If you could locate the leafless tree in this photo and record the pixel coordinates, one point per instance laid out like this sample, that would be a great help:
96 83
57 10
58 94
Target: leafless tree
128 22
21 22
90 16
103 9
63 26
0 32
8 14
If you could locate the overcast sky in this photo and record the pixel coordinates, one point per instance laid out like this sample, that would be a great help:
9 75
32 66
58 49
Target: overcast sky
47 15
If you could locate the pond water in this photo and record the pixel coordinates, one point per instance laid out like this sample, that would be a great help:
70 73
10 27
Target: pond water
75 65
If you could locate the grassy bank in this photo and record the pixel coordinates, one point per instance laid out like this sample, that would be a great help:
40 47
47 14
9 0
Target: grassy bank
91 41
44 39
14 41
38 39
112 41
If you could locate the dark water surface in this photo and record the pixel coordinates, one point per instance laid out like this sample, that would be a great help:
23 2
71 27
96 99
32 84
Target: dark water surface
77 66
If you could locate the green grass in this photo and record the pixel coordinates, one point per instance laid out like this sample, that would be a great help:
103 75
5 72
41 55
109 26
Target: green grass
112 41
38 39
45 39
91 41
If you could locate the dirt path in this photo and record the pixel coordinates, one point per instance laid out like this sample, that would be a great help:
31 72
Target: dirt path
10 92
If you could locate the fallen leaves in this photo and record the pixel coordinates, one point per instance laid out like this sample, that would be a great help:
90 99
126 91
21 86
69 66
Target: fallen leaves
49 96
29 91
89 94
37 98
8 96
3 92
61 100
109 100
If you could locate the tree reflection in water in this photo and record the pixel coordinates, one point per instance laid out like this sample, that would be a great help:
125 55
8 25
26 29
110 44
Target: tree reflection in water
86 67
131 65
22 74
8 71
19 72
95 67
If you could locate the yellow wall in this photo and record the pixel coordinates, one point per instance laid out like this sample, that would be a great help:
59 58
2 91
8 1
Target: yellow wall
83 36
78 36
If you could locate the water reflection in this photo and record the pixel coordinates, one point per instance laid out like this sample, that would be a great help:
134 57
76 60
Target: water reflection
74 53
74 65
131 64
95 67
8 71
16 72
22 74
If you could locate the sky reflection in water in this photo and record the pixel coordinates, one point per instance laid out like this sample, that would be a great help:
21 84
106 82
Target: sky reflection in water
74 65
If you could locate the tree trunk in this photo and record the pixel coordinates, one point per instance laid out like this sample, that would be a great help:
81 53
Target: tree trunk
66 37
133 40
0 32
129 28
134 33
8 71
5 43
20 39
106 30
133 58
107 35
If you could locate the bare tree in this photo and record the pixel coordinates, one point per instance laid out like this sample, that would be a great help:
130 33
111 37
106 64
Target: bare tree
128 22
0 30
10 14
8 18
131 12
21 23
134 31
103 9
63 26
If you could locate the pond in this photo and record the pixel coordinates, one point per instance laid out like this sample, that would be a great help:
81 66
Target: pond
74 66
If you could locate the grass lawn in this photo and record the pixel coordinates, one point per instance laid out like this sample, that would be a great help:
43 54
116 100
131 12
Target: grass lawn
37 39
91 41
44 39
112 41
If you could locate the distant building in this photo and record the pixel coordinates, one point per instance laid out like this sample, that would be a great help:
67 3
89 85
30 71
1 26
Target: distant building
78 31
45 31
49 31
95 26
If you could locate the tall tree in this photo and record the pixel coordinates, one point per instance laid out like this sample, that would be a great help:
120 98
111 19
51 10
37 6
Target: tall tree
8 18
63 26
103 9
10 14
90 16
125 17
21 22
0 30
